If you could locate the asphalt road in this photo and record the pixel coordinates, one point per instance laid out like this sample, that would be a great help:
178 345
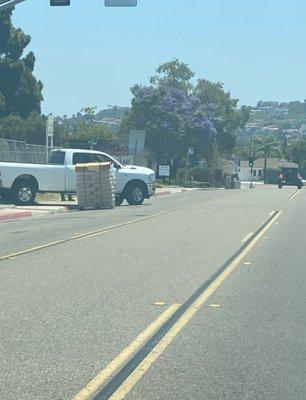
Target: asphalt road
68 310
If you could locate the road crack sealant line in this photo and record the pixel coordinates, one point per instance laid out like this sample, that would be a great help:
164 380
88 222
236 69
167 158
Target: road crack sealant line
84 235
118 380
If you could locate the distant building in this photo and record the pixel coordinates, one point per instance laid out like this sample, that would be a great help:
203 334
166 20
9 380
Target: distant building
244 172
270 128
292 133
281 111
302 130
251 127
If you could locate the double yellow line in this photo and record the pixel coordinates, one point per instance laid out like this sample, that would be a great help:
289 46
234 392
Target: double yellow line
124 376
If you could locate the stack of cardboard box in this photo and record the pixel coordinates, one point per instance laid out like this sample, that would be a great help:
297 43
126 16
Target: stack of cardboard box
96 185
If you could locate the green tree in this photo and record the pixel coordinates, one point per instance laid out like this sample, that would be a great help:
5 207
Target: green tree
173 74
89 113
177 115
223 110
296 152
125 127
88 132
20 91
244 145
31 130
171 114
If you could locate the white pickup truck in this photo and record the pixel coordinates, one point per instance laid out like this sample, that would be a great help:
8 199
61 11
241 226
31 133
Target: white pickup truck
20 183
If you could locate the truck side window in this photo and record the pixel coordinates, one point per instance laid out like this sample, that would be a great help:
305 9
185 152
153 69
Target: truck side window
82 158
57 157
101 158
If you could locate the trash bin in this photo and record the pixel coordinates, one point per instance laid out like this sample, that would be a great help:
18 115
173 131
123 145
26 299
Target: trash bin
235 183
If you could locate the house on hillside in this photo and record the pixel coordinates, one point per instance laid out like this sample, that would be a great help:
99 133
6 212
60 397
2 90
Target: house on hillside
302 130
258 168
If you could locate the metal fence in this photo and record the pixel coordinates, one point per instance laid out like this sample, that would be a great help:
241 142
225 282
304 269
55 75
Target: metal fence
21 152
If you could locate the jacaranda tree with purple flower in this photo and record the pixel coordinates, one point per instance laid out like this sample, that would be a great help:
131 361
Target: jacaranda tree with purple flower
177 115
171 114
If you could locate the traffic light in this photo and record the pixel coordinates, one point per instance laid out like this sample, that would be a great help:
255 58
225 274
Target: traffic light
120 3
57 3
251 162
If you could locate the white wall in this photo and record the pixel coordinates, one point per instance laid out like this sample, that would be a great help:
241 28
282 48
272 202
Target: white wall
244 174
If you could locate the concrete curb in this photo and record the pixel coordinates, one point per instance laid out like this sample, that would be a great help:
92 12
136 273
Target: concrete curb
44 209
13 215
163 193
175 192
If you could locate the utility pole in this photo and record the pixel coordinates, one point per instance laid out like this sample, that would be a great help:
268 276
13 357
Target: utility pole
266 146
186 166
252 161
189 153
49 135
265 165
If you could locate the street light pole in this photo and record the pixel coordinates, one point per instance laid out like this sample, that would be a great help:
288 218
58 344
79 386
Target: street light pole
252 161
265 146
9 4
186 166
265 165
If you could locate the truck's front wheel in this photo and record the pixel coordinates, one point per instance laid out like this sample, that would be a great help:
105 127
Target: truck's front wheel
23 192
135 194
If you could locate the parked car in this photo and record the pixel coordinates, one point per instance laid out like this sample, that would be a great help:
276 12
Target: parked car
21 182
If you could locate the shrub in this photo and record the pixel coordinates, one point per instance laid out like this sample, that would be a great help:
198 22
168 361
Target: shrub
203 185
159 183
188 184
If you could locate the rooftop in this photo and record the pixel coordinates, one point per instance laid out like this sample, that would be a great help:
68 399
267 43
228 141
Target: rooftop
272 163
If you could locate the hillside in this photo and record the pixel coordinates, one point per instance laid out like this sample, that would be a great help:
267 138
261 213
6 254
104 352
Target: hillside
277 119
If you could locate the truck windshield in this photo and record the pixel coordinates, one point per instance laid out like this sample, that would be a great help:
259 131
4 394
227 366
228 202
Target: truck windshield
57 158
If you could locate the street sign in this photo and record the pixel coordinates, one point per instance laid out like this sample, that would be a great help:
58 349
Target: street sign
50 126
120 3
136 141
49 135
164 170
59 3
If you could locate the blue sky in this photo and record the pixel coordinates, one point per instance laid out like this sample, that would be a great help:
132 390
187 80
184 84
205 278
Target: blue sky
91 55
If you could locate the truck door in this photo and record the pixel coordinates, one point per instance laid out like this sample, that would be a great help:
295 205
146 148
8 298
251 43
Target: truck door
77 158
54 179
119 175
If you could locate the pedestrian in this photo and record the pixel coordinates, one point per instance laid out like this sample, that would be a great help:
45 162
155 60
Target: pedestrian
280 180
